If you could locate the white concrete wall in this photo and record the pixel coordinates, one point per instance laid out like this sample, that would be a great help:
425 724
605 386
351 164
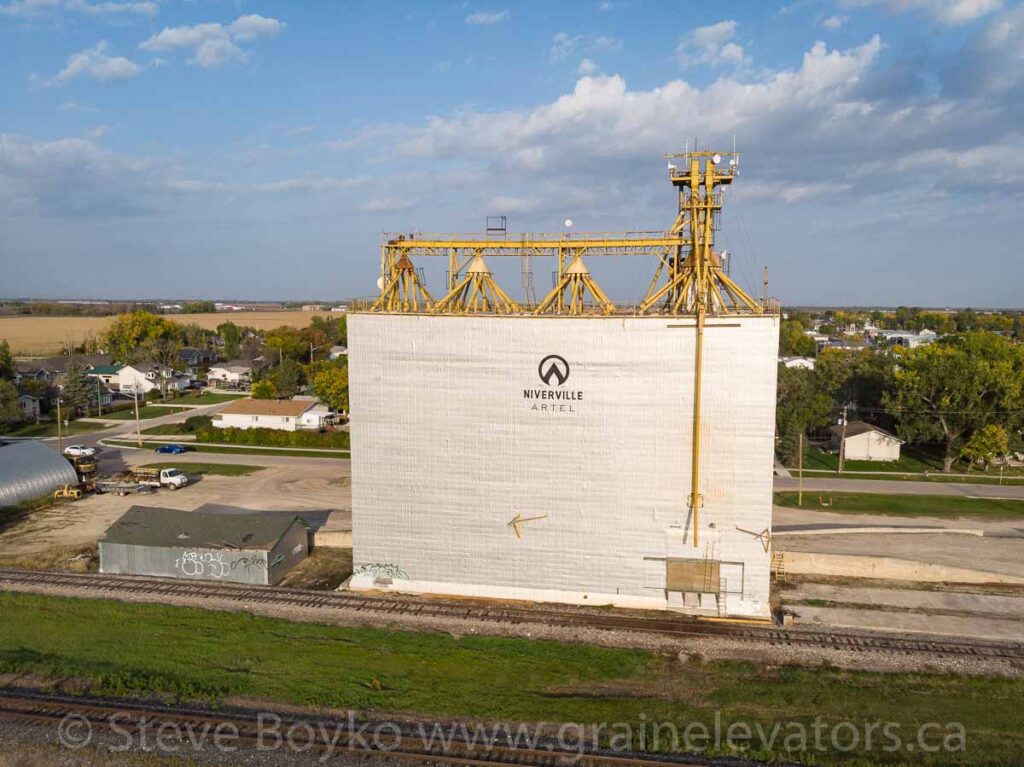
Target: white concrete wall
447 451
872 446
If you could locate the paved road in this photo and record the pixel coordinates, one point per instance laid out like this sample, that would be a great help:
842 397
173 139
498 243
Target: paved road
887 486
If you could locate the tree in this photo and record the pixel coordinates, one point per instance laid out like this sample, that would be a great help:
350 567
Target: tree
793 342
342 334
330 386
9 410
985 444
79 391
198 307
949 389
286 378
165 351
231 335
7 368
126 335
858 376
263 390
801 405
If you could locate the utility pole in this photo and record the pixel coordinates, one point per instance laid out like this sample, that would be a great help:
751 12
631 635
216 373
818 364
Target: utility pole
99 406
60 440
138 426
800 474
842 442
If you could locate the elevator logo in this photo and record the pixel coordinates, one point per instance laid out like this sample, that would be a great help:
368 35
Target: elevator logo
554 368
553 371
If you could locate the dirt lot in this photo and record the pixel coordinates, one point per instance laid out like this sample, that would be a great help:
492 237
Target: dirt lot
279 488
48 335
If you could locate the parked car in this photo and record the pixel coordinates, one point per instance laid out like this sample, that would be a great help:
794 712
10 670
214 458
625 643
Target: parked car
172 449
80 451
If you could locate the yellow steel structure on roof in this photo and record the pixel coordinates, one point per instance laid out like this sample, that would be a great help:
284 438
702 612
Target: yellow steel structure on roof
689 277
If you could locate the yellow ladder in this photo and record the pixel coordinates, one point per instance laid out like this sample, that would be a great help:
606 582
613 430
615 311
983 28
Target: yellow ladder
778 566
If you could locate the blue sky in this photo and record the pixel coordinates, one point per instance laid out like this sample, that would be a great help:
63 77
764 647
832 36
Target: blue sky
258 149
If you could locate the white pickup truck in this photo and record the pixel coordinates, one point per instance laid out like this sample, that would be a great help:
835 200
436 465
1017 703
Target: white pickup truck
169 478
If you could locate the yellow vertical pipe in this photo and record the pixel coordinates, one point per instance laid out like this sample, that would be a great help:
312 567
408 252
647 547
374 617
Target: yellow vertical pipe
695 497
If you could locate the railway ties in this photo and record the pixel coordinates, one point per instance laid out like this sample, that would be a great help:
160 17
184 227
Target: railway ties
111 586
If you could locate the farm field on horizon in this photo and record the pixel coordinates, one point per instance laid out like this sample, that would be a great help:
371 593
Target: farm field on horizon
44 336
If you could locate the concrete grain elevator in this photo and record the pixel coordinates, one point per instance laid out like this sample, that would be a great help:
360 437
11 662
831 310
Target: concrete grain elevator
568 449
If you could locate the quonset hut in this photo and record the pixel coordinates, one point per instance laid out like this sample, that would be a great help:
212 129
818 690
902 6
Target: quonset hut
31 470
568 450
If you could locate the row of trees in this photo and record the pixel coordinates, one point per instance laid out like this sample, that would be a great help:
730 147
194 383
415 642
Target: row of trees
965 392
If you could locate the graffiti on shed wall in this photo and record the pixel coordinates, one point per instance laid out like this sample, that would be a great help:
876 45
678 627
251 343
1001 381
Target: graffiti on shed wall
379 570
211 564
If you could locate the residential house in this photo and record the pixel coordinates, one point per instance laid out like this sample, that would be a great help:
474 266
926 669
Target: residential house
279 414
46 370
107 374
193 358
312 307
866 442
233 372
807 363
144 377
30 404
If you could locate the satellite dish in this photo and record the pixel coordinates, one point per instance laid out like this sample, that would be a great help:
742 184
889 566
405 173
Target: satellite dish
671 166
380 283
568 223
716 159
732 162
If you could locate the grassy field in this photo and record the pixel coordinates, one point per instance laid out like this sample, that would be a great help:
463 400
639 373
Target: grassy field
906 505
41 336
334 454
225 469
45 429
130 649
146 411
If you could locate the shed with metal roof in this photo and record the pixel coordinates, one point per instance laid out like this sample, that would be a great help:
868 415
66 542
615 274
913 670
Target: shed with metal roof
251 547
31 470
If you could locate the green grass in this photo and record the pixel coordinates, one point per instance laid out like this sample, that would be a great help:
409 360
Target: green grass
906 505
131 649
45 429
332 454
167 428
147 411
974 479
225 469
914 459
208 398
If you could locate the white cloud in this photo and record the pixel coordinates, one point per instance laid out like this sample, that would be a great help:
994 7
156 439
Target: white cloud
98 132
214 52
31 8
607 43
587 67
214 44
834 22
712 45
605 5
251 26
488 18
951 12
562 46
386 205
97 64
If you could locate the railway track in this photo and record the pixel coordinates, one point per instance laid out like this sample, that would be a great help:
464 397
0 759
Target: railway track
330 737
676 625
